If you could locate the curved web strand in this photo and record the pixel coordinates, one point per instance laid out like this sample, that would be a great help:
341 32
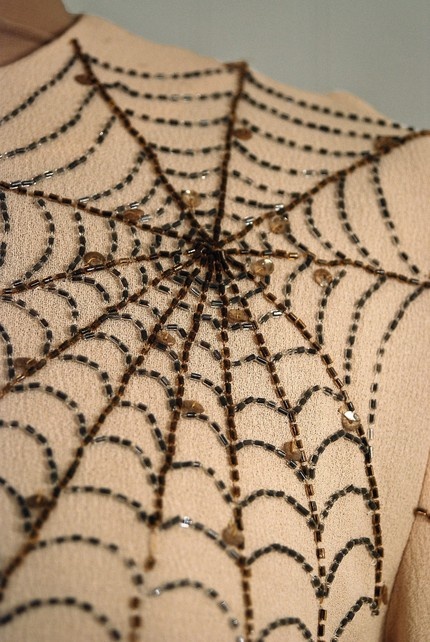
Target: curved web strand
214 295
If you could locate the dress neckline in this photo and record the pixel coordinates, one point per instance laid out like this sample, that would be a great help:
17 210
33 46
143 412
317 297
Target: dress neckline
49 44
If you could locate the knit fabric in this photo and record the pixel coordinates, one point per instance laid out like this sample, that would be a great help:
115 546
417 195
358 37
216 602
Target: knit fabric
215 329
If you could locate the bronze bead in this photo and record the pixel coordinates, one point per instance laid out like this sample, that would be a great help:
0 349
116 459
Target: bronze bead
135 621
243 133
83 79
149 563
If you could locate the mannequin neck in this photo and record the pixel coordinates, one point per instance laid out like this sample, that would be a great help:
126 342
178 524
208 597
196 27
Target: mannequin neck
26 25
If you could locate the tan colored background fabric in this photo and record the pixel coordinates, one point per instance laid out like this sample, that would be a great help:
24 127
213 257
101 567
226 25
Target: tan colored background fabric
359 303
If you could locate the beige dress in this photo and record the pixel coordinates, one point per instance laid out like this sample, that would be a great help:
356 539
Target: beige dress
215 365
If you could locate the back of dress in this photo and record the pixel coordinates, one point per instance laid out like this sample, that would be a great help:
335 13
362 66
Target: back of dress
214 295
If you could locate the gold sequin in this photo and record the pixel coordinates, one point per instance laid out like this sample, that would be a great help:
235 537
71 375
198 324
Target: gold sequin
262 267
234 315
133 216
94 258
22 363
83 79
191 199
384 594
243 133
232 535
350 420
37 501
190 405
384 142
166 338
278 225
291 450
323 277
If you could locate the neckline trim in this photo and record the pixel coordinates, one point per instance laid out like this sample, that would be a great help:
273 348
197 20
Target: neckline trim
45 48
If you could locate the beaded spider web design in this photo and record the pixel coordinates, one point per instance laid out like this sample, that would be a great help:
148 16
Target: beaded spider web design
221 275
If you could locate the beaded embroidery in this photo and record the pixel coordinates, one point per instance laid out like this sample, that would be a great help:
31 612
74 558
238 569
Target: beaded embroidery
215 253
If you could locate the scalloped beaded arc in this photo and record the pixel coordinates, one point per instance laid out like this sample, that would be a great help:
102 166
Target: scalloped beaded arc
203 276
